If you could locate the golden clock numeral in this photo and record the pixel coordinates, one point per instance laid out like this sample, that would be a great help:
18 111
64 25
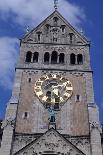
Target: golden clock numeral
67 95
58 76
46 77
69 88
44 98
39 93
68 91
61 89
42 78
69 85
50 76
61 99
37 87
38 83
64 84
37 90
54 76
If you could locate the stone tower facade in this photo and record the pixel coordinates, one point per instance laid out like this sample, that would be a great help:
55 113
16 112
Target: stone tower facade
53 71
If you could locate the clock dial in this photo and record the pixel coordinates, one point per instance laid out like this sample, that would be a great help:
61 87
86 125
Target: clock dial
52 89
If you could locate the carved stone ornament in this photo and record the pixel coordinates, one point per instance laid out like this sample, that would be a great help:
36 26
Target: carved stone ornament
95 125
9 122
51 142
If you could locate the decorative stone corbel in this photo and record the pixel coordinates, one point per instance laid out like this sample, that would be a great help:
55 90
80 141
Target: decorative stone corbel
95 125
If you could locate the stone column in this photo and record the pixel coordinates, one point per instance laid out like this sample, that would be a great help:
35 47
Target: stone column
95 130
8 126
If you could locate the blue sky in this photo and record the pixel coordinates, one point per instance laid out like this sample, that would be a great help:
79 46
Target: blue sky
16 15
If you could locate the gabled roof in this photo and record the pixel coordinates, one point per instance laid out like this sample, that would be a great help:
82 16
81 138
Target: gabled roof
48 141
56 13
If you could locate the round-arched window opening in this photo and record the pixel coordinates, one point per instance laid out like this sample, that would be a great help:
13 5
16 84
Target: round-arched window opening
80 59
46 58
35 57
61 58
28 56
54 57
72 59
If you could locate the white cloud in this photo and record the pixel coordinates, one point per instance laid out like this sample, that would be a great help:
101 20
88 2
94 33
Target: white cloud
31 12
8 58
28 13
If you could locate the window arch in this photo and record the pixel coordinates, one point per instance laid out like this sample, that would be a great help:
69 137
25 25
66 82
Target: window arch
35 57
72 59
61 58
54 57
28 56
46 57
80 59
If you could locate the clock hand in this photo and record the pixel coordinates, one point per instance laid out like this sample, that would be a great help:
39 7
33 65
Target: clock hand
56 92
48 85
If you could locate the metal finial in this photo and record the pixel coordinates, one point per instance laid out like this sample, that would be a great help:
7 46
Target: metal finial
81 31
56 4
27 29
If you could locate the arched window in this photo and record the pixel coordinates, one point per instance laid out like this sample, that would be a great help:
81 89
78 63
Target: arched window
35 57
61 58
46 58
28 56
54 57
72 59
79 59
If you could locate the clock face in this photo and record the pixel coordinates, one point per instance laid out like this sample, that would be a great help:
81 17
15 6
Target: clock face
52 89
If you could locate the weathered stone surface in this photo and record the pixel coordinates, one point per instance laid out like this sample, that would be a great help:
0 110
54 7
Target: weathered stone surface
77 121
50 142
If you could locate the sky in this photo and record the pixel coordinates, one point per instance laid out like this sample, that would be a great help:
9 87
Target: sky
17 15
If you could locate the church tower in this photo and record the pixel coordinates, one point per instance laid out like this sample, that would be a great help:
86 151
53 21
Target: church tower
52 108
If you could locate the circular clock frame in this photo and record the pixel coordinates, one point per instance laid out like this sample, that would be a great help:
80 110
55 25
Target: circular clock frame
59 89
